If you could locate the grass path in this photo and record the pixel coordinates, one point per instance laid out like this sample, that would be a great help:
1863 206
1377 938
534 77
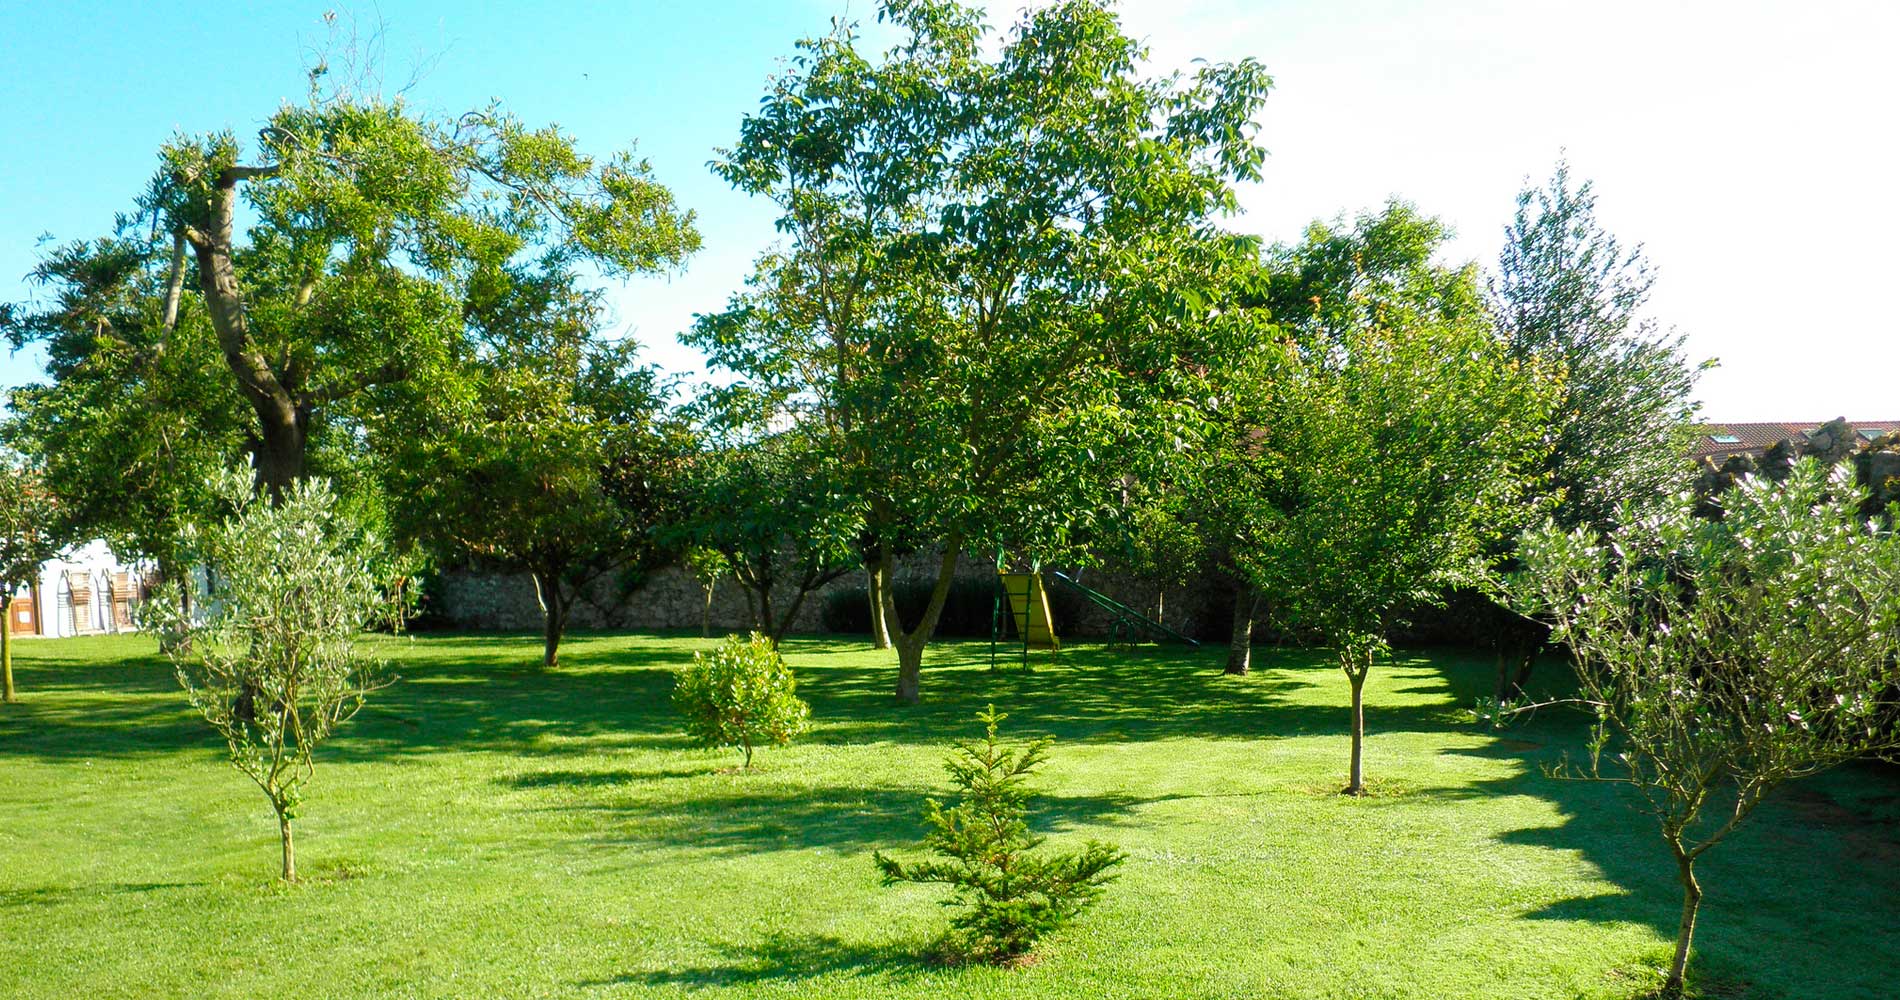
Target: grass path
487 830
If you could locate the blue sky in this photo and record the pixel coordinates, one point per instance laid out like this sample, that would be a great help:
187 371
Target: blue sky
1749 145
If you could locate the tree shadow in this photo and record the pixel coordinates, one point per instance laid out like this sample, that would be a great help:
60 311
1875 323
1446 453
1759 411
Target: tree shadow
785 958
1816 865
62 894
844 819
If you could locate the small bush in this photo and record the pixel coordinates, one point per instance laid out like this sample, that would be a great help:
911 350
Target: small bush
1012 894
743 695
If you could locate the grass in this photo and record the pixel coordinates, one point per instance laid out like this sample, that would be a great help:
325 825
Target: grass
488 830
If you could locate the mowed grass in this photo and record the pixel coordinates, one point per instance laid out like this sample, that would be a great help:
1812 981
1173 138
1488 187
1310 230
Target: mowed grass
485 829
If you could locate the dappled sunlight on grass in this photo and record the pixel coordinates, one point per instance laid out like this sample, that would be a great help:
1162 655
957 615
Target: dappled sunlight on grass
487 828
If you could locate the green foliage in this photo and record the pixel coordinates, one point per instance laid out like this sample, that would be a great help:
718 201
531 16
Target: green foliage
1012 893
1396 447
322 287
991 301
30 517
273 662
555 457
1569 296
136 415
743 695
1726 657
771 511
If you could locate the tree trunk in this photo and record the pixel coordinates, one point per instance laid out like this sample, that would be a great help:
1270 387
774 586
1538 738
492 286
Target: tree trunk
278 452
6 650
705 617
547 590
1685 933
290 848
880 629
910 642
1240 642
282 419
1356 676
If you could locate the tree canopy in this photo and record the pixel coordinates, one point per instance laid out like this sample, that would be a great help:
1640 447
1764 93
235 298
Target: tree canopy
993 269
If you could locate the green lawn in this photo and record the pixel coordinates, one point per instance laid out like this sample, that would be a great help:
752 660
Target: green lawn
486 830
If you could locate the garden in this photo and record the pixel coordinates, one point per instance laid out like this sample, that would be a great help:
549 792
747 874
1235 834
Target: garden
488 829
322 384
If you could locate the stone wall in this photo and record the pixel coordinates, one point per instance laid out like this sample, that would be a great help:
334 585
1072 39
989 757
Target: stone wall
673 599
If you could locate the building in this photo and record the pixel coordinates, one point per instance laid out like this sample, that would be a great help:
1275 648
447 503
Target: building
1717 442
87 591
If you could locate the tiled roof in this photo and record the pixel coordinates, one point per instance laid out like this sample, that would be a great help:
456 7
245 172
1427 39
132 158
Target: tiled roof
1714 438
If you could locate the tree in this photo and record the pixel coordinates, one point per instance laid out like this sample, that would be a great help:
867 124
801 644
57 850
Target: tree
741 696
708 568
1725 657
1012 895
1397 445
772 512
29 519
369 222
273 663
137 415
993 277
1569 296
1339 278
558 459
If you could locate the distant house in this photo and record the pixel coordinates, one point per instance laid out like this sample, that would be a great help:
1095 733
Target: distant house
87 591
1716 442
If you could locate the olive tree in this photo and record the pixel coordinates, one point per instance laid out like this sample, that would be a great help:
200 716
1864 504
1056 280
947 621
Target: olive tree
273 662
1725 657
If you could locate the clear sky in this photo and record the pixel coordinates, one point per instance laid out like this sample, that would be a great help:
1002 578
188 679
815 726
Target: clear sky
1750 146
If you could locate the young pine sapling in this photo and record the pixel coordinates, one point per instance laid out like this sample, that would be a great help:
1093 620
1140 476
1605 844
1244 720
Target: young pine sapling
1011 892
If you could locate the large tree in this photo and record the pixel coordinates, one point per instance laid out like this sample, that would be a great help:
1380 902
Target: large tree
364 224
136 415
1569 295
993 277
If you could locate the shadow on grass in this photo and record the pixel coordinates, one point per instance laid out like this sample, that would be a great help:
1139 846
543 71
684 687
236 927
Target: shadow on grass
785 958
1817 864
57 895
846 819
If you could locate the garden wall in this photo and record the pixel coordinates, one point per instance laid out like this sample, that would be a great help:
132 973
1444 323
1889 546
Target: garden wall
673 599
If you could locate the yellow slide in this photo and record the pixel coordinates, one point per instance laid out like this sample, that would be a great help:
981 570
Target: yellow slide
1029 606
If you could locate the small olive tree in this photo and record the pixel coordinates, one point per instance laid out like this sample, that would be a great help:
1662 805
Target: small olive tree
272 661
1012 894
1723 657
741 696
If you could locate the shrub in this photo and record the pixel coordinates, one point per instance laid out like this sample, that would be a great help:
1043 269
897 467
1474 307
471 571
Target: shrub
741 696
1012 894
